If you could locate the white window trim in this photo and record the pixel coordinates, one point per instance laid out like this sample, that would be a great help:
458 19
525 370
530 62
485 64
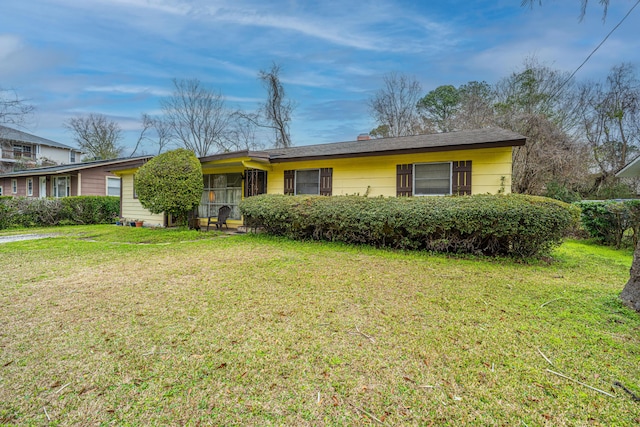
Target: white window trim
29 190
55 186
106 184
413 184
0 190
14 186
295 181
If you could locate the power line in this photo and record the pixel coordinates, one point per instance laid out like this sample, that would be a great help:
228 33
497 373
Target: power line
594 50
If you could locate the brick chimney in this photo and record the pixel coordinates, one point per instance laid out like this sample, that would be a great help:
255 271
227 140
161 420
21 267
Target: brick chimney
364 137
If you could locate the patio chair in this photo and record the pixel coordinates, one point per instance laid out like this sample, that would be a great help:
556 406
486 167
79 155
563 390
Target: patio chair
221 219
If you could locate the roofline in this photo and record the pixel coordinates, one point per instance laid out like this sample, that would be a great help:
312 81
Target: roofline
257 155
629 166
39 140
498 144
72 167
133 163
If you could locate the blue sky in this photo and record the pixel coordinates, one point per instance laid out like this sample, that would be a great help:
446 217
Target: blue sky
118 57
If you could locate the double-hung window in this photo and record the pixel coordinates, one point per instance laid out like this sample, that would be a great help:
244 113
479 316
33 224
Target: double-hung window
432 179
14 186
61 186
309 181
113 186
29 186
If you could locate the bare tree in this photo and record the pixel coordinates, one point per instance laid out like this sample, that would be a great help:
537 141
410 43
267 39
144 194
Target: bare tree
583 6
147 123
154 130
611 120
243 131
97 136
13 109
277 108
476 105
393 107
197 117
163 134
530 102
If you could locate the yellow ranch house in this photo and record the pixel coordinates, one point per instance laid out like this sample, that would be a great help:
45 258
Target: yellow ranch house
465 162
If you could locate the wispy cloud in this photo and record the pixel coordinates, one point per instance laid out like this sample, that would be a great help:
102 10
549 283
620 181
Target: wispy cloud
130 89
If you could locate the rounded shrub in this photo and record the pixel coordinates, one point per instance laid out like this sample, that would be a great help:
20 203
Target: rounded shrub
171 183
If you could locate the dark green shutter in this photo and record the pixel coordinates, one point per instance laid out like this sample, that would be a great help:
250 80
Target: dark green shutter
404 180
326 181
461 178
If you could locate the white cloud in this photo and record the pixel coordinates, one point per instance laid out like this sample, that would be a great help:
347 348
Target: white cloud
22 62
130 89
9 45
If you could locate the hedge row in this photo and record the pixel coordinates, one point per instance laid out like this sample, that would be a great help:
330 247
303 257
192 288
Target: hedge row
512 225
609 220
29 212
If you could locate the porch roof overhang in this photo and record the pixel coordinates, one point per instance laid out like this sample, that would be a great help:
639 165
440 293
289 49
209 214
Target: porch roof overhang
241 160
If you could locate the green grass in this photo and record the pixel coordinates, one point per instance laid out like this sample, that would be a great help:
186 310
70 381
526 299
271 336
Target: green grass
111 325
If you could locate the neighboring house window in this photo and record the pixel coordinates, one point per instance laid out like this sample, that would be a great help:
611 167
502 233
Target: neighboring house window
72 156
14 186
0 190
309 181
113 186
432 179
29 186
61 186
135 193
22 151
220 190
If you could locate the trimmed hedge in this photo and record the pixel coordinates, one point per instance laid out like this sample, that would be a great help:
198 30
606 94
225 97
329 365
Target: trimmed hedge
513 225
608 220
30 212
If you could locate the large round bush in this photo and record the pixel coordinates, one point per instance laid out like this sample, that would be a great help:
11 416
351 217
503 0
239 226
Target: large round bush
171 183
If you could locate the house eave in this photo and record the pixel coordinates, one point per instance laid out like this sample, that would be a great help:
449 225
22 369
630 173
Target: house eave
432 149
631 170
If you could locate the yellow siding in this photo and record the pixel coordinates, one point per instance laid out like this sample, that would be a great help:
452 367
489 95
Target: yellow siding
132 209
220 170
378 173
491 173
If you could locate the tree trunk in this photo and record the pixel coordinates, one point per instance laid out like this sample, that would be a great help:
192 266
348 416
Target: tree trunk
630 295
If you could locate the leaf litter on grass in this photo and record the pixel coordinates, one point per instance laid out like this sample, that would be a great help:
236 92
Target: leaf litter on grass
251 330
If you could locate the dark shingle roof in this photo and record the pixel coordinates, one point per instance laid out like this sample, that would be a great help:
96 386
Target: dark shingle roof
19 136
72 167
478 138
462 140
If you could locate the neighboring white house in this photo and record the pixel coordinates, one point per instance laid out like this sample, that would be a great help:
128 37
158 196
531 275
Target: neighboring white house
31 150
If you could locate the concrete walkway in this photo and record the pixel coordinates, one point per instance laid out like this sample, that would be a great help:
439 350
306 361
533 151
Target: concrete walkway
19 237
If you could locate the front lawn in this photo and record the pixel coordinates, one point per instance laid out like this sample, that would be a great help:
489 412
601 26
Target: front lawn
108 325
